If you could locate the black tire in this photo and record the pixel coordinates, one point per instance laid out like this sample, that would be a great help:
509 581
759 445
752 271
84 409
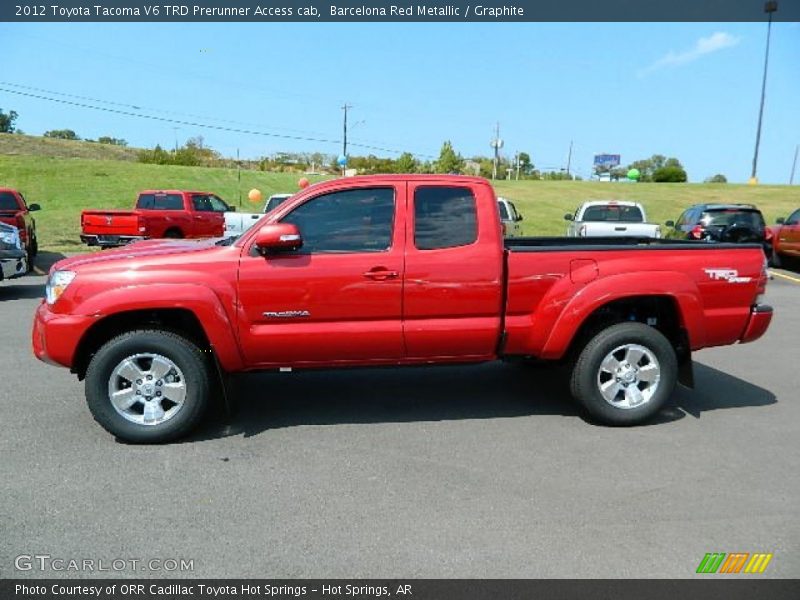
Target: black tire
775 260
194 365
586 373
174 234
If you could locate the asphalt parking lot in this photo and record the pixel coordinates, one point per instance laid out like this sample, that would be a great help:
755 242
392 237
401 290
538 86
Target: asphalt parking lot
485 471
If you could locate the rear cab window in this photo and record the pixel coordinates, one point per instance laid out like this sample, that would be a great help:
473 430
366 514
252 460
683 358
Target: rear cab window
610 212
160 202
725 217
444 217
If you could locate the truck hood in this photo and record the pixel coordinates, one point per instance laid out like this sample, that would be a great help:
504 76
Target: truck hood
138 250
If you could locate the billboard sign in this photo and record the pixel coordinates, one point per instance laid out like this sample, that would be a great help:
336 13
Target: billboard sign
604 162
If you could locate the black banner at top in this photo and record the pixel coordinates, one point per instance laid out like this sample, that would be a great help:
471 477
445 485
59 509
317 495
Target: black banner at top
399 10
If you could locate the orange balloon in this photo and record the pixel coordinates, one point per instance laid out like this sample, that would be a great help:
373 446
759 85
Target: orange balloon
255 195
303 183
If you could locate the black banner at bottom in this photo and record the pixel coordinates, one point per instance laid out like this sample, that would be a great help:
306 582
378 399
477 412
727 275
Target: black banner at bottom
411 589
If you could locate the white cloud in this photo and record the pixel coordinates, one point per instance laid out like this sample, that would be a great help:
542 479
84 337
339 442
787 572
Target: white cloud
705 45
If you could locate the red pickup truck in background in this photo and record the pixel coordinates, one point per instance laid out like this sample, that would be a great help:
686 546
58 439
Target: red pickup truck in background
15 211
390 270
785 239
158 214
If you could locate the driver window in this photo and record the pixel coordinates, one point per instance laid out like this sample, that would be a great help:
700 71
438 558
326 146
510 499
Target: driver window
349 221
794 218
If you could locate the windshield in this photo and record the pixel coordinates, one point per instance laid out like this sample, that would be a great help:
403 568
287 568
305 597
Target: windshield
274 202
729 216
628 214
8 201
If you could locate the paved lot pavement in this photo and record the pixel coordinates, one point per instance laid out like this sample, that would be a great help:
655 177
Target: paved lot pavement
487 471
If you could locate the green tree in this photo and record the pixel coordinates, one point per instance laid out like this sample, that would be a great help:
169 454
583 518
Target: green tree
718 178
105 139
526 167
62 134
670 174
7 121
449 161
406 163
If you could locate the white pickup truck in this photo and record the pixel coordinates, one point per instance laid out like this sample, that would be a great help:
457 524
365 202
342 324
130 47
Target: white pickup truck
237 223
611 218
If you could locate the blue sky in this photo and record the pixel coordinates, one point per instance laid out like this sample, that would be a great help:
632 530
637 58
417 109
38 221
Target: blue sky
689 90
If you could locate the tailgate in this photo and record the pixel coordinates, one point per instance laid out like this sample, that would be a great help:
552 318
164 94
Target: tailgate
111 222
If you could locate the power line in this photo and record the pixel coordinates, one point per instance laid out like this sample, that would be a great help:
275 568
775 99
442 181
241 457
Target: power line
140 115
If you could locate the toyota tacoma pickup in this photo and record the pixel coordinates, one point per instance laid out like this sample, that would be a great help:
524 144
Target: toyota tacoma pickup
607 218
389 270
15 211
158 214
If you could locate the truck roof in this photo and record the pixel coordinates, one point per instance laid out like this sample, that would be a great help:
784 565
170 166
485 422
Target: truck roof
387 178
173 192
610 203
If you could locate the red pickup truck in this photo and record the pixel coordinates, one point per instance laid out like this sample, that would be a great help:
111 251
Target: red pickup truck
15 211
390 270
785 239
158 214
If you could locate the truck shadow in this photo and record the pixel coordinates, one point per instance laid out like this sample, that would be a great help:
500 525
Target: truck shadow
22 288
490 391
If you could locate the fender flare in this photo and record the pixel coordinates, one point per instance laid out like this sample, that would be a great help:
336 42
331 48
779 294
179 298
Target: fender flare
200 300
568 318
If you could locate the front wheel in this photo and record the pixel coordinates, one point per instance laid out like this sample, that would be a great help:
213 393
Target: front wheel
625 374
148 386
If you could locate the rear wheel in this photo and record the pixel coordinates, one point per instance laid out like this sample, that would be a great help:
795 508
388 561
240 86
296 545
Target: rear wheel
174 234
625 374
148 386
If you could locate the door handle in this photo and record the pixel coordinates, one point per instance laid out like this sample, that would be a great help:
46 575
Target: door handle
381 274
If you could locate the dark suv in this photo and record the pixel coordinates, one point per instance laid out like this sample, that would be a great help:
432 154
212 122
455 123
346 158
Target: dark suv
735 223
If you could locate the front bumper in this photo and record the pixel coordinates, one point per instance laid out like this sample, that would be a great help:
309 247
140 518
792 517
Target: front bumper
110 241
55 336
13 266
760 318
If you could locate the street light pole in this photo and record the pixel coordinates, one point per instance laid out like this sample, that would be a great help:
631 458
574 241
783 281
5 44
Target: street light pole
769 8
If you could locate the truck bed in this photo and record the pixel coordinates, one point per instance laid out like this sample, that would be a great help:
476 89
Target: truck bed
544 244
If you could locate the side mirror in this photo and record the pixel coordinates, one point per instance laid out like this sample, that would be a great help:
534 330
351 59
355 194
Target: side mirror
278 237
231 209
568 217
670 223
780 220
34 207
519 217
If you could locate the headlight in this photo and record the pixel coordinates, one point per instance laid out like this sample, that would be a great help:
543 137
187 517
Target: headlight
9 240
57 283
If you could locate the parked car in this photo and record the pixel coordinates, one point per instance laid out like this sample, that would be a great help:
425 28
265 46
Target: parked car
509 217
13 257
158 214
605 218
15 211
733 223
785 237
390 270
237 223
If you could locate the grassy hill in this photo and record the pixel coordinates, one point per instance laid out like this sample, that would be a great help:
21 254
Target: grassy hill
15 144
64 186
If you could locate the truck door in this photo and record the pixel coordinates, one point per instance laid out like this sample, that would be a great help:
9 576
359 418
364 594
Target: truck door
207 216
338 298
791 232
452 298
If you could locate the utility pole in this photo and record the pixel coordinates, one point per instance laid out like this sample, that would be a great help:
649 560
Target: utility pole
769 8
239 177
794 165
496 143
345 108
569 159
517 157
